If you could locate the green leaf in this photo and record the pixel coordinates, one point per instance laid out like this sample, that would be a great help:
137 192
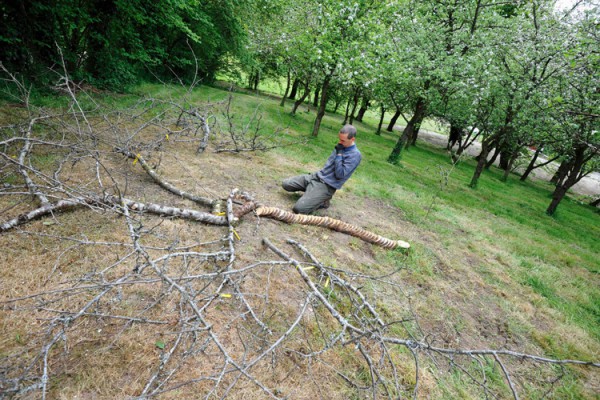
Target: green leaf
19 339
160 344
49 222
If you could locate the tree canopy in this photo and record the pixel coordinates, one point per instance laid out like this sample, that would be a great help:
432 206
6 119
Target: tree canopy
114 43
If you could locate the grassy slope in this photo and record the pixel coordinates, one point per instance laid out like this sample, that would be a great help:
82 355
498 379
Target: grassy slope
543 269
480 256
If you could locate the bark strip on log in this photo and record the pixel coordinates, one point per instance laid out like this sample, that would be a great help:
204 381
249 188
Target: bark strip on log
330 223
245 209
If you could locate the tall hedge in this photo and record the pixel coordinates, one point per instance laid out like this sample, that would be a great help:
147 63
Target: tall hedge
112 43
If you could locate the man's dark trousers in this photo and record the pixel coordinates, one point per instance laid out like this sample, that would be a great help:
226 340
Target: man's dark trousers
315 192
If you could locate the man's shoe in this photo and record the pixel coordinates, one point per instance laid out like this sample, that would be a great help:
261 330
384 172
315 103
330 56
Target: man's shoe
325 205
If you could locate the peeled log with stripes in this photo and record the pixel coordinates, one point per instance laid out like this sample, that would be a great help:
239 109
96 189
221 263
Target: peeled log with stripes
334 224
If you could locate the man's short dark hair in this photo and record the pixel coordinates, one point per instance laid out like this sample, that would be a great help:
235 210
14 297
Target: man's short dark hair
349 130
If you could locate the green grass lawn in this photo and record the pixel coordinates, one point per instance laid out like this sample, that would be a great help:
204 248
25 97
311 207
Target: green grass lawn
550 264
509 215
556 257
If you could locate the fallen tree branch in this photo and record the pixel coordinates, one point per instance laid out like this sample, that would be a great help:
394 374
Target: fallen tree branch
358 330
164 184
46 209
150 208
169 211
336 278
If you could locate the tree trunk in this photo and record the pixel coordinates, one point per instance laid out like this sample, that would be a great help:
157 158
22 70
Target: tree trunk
485 150
287 89
455 136
502 139
531 165
363 109
495 144
492 160
415 121
572 176
562 171
408 133
557 196
394 157
347 113
316 98
595 203
415 135
505 158
301 99
337 106
467 141
380 120
255 81
354 105
392 123
294 91
511 162
321 112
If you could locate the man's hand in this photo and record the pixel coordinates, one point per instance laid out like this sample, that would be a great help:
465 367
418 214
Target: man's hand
339 148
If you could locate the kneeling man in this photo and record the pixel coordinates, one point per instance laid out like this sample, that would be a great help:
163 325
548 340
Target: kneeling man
319 187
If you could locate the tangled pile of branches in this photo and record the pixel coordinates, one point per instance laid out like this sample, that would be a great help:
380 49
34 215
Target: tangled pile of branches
218 322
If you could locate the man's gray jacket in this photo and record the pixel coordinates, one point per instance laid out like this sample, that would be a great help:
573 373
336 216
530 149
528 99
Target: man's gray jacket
339 168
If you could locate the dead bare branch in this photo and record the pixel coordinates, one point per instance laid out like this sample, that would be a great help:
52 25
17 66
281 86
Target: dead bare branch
240 137
166 185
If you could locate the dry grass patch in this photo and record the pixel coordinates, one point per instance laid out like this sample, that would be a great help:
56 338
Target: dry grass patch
106 302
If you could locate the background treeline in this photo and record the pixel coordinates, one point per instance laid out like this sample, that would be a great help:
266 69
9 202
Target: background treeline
113 43
514 75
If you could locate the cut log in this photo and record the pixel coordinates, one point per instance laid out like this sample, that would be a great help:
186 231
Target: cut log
330 223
